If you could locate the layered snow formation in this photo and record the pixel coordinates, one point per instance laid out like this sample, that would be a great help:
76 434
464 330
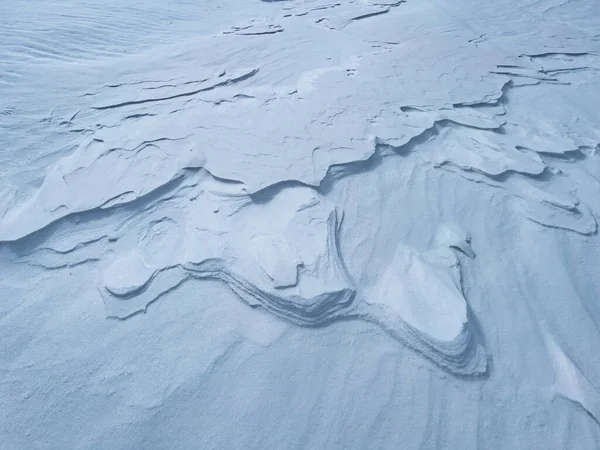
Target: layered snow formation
300 224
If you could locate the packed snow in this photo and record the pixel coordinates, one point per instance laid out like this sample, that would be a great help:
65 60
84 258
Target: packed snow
302 224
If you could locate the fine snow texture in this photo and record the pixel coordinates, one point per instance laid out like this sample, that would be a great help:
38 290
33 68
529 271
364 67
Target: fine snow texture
300 224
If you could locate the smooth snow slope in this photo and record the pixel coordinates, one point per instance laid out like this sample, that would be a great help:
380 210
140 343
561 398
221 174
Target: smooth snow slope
300 224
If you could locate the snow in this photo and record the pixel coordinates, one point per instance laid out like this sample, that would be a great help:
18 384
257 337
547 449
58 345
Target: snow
299 224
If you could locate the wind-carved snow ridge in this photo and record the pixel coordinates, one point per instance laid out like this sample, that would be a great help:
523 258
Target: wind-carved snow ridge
282 255
419 299
227 168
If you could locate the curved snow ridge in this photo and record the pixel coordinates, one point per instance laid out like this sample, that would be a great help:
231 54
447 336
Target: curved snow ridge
292 270
418 299
463 356
281 254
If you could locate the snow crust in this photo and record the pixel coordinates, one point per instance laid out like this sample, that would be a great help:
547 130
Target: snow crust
300 224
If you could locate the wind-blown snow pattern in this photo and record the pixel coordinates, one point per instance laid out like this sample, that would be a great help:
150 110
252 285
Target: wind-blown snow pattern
300 224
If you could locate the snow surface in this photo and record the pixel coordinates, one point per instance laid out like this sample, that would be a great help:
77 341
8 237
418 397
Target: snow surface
299 224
